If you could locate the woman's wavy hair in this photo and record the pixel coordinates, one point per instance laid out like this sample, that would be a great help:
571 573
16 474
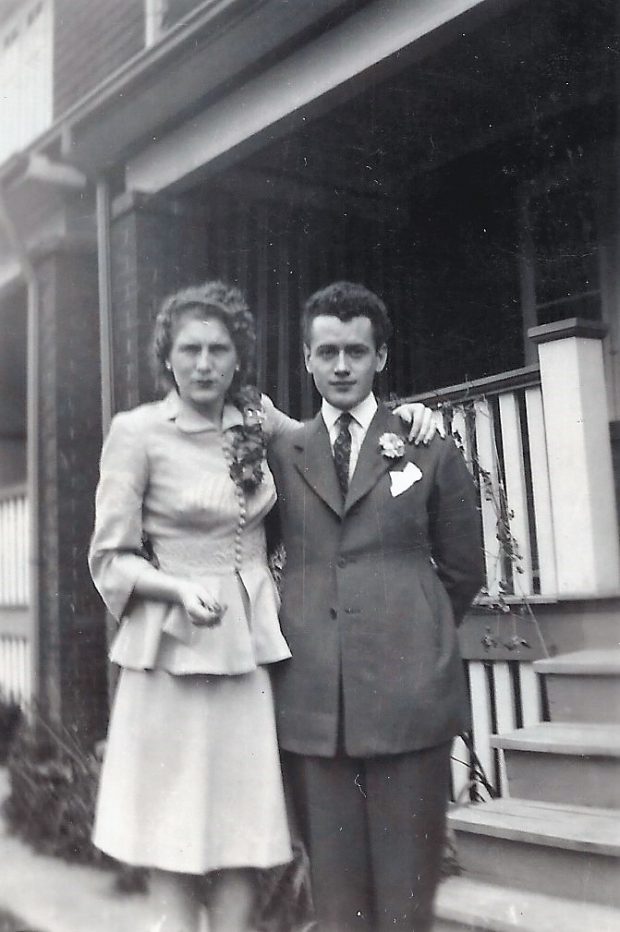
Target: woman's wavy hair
210 299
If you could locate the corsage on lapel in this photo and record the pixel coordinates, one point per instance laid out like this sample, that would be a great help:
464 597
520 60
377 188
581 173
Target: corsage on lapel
247 443
392 446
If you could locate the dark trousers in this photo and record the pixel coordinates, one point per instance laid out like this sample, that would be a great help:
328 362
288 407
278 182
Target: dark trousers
374 829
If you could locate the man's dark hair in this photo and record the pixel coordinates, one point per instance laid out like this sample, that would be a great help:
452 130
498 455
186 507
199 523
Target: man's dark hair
346 300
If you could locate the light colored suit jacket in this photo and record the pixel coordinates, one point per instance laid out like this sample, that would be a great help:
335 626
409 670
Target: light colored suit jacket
164 474
372 593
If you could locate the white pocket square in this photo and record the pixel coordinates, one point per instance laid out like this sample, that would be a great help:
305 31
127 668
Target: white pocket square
404 479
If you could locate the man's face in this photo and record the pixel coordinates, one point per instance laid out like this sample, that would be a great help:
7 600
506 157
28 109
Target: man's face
343 359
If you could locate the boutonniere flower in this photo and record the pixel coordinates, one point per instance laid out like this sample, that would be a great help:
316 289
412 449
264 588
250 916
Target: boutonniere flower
392 446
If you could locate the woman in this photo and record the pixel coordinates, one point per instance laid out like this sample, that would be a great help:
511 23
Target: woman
191 783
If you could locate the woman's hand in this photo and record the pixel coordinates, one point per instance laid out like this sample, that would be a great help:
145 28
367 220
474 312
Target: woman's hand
202 607
425 422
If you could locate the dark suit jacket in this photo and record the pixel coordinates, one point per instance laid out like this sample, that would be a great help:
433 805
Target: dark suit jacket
371 593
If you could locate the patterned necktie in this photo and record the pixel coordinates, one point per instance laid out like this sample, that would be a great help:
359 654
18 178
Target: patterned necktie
342 451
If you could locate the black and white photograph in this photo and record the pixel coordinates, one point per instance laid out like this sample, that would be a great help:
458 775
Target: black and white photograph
309 466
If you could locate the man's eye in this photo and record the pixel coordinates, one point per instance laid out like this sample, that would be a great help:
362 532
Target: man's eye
327 352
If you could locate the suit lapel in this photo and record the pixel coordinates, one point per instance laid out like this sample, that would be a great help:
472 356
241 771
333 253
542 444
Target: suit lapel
314 460
371 463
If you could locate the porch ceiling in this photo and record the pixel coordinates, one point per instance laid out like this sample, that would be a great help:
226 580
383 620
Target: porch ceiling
220 47
509 78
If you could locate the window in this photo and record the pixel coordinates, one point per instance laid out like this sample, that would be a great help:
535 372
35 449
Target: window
163 15
25 75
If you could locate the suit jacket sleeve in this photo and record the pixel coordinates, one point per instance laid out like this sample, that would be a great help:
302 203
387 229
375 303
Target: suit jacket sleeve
114 559
277 423
454 525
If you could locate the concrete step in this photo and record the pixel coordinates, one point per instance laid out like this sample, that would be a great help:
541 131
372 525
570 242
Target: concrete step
468 905
583 686
564 762
558 850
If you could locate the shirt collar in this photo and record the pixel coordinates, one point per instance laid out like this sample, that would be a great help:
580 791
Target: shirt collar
192 422
363 412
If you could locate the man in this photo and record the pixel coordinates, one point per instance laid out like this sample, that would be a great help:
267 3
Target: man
383 560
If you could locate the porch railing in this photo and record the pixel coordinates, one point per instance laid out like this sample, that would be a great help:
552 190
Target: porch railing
15 649
504 695
14 547
499 424
538 445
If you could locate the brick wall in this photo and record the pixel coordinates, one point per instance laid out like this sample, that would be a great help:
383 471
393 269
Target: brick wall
158 245
91 40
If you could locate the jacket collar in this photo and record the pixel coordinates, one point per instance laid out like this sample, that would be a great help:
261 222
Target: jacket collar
371 463
315 462
191 422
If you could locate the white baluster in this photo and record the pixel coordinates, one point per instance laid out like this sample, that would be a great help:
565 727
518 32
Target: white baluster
541 491
3 667
505 713
461 768
11 541
3 553
489 493
459 426
22 591
531 704
516 492
482 722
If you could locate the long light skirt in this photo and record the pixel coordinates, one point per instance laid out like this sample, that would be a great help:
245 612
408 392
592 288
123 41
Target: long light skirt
191 779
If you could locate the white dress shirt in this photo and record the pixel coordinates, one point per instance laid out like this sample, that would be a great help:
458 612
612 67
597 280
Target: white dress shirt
362 414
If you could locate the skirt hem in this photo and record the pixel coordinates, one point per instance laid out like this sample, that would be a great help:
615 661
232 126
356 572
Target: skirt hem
230 865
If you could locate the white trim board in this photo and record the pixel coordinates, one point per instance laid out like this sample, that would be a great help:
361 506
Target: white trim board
283 96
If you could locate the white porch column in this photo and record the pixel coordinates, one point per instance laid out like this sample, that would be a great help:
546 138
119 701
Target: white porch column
581 478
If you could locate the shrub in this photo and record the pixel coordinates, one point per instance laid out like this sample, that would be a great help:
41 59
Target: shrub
53 790
10 714
53 784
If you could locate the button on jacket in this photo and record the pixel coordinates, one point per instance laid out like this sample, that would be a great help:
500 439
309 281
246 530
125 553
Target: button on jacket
373 590
164 473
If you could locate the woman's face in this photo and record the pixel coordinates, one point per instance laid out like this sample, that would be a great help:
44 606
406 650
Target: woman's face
203 360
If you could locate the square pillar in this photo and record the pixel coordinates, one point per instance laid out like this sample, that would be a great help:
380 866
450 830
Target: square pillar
71 650
157 245
581 477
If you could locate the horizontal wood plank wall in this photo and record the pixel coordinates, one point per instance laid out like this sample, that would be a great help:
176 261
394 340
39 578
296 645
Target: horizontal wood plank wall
278 254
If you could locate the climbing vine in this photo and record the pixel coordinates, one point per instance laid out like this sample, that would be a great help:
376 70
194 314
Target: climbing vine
506 600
